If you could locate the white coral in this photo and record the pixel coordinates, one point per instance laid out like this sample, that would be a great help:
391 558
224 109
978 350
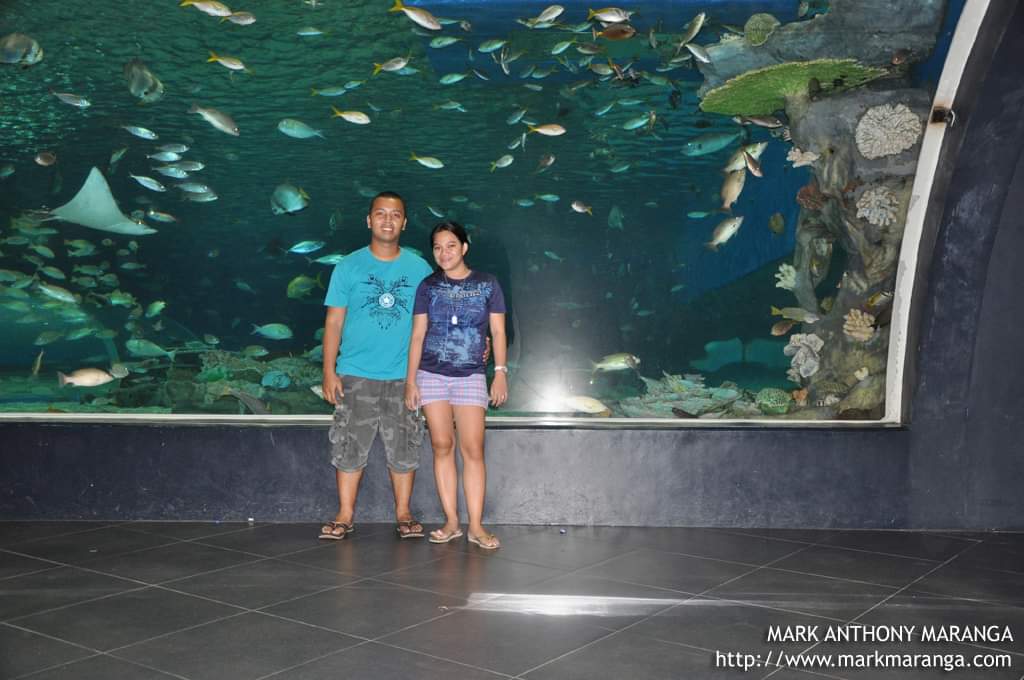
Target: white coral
804 348
801 158
878 205
886 130
786 277
858 325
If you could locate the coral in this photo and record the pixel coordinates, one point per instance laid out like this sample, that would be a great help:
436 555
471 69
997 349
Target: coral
810 196
764 90
886 130
804 348
861 373
878 205
758 28
786 277
858 325
801 158
773 401
800 396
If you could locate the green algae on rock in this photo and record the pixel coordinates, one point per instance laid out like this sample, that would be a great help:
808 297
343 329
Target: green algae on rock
758 28
765 90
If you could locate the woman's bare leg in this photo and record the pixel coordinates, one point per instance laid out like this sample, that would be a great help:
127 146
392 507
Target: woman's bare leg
469 422
442 439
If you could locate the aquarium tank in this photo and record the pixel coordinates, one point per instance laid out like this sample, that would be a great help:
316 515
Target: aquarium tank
695 209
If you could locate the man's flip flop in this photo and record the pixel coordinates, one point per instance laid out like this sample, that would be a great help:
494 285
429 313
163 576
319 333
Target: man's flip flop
442 537
409 533
327 531
479 540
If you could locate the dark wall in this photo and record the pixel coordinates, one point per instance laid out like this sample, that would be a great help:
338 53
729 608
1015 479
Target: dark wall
957 464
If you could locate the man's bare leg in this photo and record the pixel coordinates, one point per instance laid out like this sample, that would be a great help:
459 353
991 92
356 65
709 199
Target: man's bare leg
348 489
402 482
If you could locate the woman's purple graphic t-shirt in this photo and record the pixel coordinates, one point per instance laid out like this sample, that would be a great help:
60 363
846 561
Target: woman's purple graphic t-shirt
458 319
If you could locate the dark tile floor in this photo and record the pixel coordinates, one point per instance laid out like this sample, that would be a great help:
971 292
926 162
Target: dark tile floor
200 601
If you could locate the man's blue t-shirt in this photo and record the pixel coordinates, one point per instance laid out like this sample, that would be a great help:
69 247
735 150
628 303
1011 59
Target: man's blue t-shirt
379 295
458 317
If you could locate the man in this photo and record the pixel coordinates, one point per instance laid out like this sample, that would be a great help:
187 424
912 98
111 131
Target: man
369 312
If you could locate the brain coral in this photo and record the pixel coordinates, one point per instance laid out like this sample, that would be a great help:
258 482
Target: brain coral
878 205
886 130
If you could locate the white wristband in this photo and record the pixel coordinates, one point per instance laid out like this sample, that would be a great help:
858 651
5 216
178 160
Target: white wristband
501 368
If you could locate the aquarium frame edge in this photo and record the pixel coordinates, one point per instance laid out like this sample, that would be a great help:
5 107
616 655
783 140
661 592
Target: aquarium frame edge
898 376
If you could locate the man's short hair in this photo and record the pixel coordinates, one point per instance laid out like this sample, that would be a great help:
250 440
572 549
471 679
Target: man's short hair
387 194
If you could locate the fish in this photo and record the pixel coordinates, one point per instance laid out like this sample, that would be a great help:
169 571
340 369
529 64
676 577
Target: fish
798 314
710 143
37 364
303 247
309 32
146 348
551 255
427 161
609 15
418 15
171 171
165 156
272 331
646 119
586 405
732 186
141 132
524 202
302 285
777 223
615 32
255 351
880 299
118 370
782 327
691 30
725 230
548 198
452 78
581 207
451 105
332 91
489 46
6 170
770 122
548 129
297 129
550 13
257 407
615 218
515 116
43 250
72 99
738 161
84 377
47 337
622 166
697 214
356 117
20 49
155 308
699 53
562 46
217 119
211 339
193 187
621 361
391 65
160 216
443 41
45 158
545 162
231 63
502 162
148 182
288 199
142 83
240 18
211 7
752 165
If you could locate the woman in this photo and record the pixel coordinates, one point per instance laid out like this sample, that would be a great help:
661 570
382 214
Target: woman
454 309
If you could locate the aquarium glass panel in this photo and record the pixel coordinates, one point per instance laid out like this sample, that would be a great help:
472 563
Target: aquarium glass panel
694 210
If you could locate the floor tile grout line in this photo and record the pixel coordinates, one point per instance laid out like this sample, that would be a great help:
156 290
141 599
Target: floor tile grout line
636 623
61 535
31 573
441 658
129 661
895 594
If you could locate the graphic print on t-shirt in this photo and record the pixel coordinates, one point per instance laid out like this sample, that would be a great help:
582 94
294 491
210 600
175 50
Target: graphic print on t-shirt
387 301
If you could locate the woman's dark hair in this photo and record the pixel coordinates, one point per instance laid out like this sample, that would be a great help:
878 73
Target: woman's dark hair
455 228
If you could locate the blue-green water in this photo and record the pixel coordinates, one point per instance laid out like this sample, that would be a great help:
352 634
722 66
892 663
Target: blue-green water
580 286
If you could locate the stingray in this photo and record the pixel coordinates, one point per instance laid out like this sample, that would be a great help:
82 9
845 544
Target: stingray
94 207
